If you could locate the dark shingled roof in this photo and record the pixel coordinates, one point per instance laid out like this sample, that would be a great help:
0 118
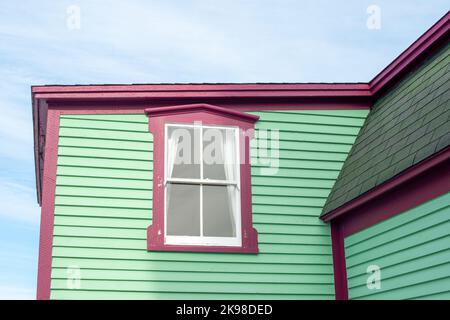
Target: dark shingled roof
408 124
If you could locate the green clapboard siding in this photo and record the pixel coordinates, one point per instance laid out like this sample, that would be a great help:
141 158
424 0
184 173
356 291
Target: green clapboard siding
412 250
104 202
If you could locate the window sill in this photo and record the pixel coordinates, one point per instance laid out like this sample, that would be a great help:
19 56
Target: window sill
155 243
216 249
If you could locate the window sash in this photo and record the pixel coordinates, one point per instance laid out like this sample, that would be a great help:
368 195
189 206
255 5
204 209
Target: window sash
211 182
204 240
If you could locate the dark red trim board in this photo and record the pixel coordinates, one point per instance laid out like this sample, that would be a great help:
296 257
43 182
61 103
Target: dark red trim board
202 90
212 115
201 107
339 268
421 187
425 170
48 206
36 147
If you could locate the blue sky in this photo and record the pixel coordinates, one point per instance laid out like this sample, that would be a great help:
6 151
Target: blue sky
171 41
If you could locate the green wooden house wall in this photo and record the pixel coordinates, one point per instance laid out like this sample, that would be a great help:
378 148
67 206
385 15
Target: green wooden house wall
104 200
412 250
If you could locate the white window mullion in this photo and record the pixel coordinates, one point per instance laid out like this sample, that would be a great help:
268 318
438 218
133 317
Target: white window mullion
237 175
166 189
202 181
201 210
201 177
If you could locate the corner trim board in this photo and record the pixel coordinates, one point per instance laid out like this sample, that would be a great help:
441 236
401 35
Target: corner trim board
339 267
48 207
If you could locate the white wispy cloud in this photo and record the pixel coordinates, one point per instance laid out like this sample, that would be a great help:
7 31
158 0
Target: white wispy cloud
18 265
18 202
16 130
17 293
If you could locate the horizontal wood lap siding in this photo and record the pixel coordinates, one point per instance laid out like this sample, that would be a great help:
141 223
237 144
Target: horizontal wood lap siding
412 249
104 202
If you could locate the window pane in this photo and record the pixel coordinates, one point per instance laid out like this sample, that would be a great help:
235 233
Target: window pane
183 154
183 210
219 154
218 212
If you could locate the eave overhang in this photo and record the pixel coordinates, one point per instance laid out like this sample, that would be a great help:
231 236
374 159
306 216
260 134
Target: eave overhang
442 158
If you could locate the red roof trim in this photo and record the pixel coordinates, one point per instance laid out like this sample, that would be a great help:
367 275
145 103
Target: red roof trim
413 55
199 91
399 180
200 87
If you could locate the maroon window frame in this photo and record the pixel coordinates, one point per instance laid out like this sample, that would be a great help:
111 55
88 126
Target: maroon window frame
208 115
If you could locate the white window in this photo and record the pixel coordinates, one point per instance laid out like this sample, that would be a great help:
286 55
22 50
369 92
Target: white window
202 185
